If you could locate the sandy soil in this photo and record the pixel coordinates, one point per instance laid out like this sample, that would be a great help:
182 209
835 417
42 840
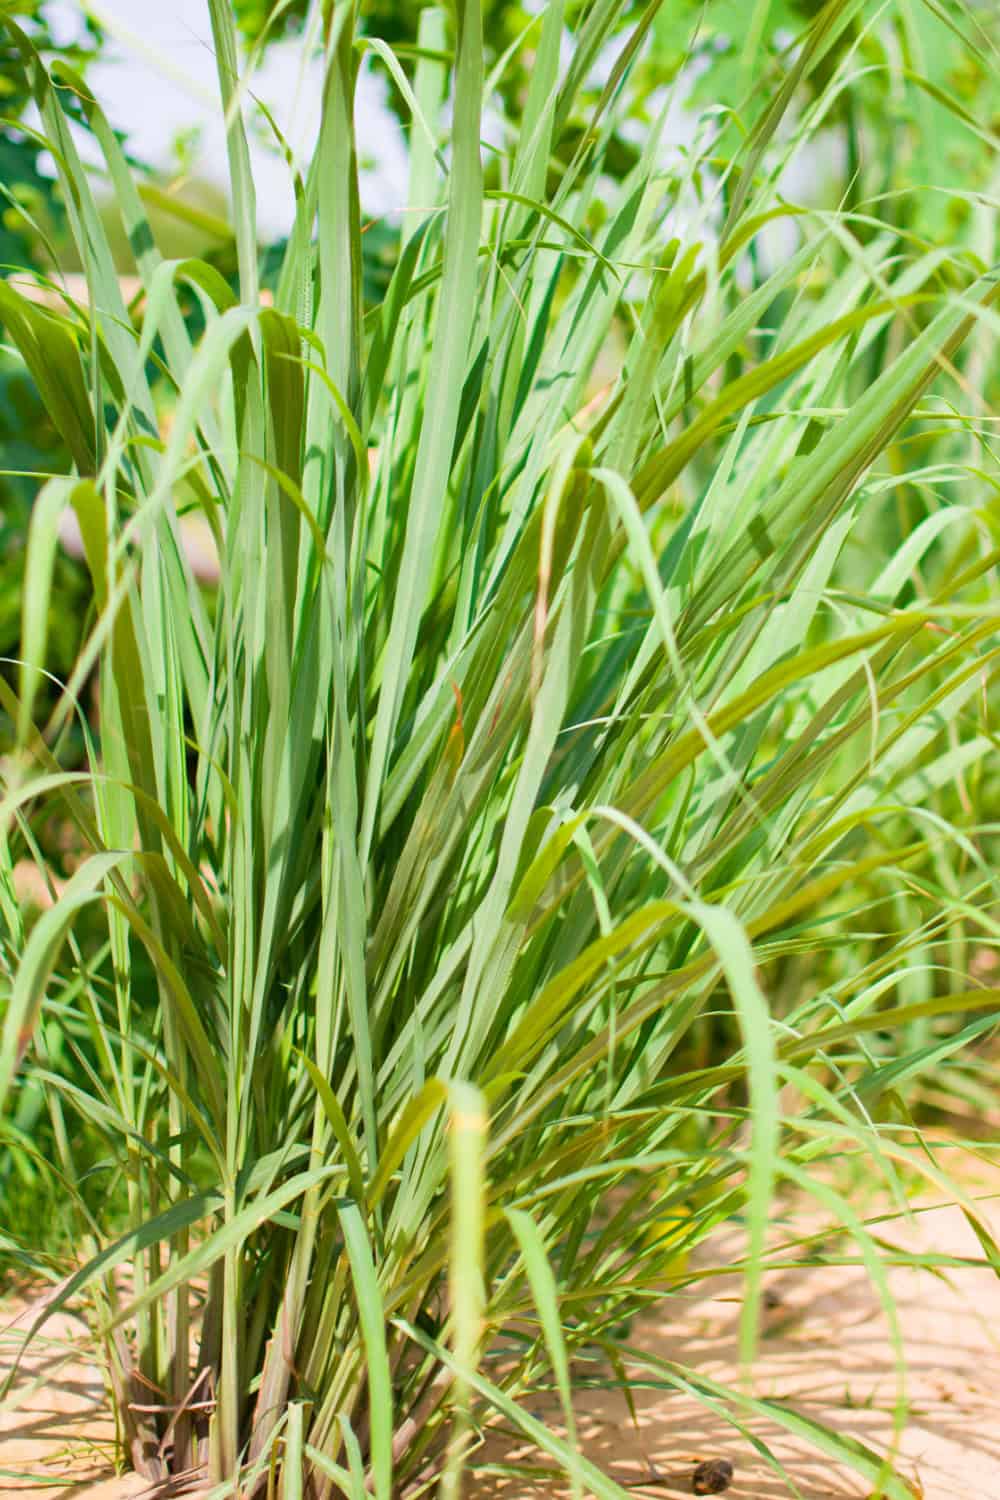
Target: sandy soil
57 1434
826 1353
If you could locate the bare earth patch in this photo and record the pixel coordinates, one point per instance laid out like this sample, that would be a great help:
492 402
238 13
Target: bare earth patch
826 1353
57 1434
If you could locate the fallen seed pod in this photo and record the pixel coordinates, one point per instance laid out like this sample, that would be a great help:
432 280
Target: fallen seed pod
712 1477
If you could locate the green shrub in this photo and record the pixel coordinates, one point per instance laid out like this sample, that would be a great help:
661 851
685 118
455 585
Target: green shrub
532 730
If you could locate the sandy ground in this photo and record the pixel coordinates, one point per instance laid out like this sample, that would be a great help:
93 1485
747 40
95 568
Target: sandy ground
826 1353
57 1434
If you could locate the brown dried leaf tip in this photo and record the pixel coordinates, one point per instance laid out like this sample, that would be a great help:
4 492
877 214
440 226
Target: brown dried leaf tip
712 1477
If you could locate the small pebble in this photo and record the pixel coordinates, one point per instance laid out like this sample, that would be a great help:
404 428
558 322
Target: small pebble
712 1477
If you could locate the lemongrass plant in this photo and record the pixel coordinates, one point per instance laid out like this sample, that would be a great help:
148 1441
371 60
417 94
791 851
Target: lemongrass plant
530 721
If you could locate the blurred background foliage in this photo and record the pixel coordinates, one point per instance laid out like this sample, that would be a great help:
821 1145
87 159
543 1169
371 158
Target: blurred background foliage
32 232
923 106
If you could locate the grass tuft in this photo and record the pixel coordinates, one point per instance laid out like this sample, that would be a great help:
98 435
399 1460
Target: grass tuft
561 828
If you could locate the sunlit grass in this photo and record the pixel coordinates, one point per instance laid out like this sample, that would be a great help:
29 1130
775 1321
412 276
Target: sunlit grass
452 860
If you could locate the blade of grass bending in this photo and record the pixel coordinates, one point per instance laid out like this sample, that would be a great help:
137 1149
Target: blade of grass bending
51 353
350 1482
372 1316
631 518
41 952
546 1295
419 119
643 925
356 1464
593 1479
836 463
419 1110
735 956
155 1231
338 1124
